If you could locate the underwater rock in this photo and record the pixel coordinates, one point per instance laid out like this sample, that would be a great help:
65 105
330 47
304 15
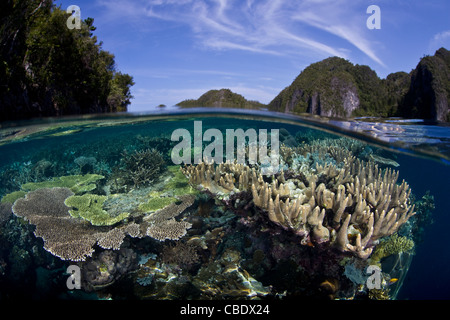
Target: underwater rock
224 278
106 267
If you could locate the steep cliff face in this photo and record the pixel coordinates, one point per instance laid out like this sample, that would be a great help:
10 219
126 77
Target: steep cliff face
429 92
331 88
334 87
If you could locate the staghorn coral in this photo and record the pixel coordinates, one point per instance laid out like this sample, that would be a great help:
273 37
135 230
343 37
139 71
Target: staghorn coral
349 207
221 178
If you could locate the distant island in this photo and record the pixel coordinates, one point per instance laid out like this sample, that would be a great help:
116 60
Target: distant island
48 69
334 87
223 98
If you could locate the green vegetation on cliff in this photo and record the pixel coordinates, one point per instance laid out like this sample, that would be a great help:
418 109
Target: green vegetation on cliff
46 69
429 93
223 98
337 88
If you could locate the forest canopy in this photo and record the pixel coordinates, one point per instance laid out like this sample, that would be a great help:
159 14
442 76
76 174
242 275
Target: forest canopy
48 69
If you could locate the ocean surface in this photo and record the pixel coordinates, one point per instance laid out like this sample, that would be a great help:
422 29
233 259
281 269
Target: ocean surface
106 207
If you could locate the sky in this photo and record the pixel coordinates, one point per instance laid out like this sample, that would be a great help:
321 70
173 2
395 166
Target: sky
180 49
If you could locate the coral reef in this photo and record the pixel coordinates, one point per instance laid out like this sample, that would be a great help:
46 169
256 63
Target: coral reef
348 207
139 229
224 278
56 213
181 254
13 196
155 203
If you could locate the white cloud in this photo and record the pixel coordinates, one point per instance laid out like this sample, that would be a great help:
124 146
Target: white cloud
339 19
441 39
274 27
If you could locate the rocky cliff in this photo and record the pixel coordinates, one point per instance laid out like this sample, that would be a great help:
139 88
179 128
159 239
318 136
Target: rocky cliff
429 92
334 87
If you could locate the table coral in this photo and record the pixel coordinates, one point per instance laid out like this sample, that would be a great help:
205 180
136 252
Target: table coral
79 184
162 224
64 236
90 207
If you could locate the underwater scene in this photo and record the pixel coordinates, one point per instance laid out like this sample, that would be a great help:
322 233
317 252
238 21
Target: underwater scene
223 205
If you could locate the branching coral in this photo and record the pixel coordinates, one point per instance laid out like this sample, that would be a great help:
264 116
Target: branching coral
142 167
349 207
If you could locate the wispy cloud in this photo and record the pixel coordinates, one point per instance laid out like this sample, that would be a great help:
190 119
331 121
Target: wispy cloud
274 27
339 19
441 39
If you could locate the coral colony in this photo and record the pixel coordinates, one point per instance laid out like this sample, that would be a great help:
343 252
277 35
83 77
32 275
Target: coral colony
324 213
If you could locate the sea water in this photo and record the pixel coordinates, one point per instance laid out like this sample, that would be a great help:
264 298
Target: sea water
222 245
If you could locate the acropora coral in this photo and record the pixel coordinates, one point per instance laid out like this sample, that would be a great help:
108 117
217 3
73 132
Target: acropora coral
79 184
348 207
73 239
90 208
142 167
155 203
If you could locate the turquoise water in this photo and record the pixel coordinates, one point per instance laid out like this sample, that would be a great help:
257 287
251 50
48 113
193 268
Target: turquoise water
103 195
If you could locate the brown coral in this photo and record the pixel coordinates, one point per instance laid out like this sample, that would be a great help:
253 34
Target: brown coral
64 236
327 206
162 224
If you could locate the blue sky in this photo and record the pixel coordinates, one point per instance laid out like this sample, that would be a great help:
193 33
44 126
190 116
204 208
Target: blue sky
179 49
